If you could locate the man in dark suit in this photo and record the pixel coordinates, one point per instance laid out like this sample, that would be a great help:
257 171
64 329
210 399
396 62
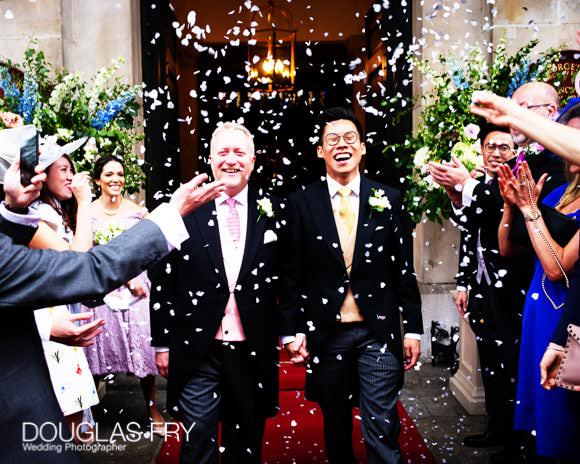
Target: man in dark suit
216 313
483 289
347 281
30 279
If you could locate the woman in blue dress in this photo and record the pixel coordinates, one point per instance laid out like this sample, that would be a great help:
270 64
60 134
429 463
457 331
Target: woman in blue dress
551 416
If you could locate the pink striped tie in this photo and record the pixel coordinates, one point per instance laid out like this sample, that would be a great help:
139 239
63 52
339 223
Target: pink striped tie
233 220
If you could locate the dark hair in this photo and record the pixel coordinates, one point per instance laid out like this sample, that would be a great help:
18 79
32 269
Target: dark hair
101 162
67 209
334 114
486 129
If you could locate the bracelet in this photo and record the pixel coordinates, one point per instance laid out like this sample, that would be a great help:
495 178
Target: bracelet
532 217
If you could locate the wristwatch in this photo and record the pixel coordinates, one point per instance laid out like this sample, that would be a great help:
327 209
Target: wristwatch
532 217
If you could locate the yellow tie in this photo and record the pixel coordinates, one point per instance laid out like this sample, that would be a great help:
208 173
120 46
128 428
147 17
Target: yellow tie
345 210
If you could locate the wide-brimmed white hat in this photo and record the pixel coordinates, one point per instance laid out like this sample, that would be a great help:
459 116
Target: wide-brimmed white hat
11 140
50 151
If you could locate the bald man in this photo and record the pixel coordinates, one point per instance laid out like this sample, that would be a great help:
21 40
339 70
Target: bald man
539 97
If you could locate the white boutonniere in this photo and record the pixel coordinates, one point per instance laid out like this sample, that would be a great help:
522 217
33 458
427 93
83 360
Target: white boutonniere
378 201
265 208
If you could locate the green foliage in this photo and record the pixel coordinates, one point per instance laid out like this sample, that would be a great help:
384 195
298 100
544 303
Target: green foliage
445 121
68 106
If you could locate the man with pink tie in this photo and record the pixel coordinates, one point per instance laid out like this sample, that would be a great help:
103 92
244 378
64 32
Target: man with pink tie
214 314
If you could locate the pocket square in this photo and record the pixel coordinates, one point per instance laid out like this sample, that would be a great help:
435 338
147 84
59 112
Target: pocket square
270 236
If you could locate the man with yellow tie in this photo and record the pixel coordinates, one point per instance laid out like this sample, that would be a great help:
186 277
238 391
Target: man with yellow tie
346 283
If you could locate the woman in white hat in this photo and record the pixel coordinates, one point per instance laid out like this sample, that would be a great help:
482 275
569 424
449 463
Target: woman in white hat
64 207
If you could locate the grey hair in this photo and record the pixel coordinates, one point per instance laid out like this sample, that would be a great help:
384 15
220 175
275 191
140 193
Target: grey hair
232 126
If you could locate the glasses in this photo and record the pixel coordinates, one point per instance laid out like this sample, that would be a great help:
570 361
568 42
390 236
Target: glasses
504 149
539 105
349 137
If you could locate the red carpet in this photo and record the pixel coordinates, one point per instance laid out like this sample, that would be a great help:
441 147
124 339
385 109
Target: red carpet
295 434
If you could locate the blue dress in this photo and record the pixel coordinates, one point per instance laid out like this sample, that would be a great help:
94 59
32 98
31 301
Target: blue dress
552 416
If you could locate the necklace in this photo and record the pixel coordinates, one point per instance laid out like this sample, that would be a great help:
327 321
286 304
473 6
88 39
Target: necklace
112 212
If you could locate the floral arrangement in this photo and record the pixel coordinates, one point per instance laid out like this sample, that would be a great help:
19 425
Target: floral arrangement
68 106
107 233
447 127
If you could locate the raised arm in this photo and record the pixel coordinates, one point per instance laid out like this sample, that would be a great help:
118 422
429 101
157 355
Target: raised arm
564 141
83 237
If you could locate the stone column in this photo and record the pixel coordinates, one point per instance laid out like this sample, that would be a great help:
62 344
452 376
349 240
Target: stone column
447 27
467 384
95 33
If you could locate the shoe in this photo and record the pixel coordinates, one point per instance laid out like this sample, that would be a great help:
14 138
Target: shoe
483 440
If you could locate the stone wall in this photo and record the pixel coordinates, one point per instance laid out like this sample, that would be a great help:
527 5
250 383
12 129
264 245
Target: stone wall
20 20
554 22
79 35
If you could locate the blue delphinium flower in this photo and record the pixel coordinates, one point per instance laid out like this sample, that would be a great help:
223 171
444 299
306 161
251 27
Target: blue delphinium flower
458 77
9 88
29 100
521 76
111 111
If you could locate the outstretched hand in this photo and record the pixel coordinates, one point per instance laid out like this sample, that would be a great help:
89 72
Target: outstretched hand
191 195
64 330
495 109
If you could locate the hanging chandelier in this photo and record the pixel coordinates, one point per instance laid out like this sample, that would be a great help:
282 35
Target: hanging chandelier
271 49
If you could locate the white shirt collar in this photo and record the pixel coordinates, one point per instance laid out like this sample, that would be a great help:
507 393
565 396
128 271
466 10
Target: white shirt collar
241 197
333 185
